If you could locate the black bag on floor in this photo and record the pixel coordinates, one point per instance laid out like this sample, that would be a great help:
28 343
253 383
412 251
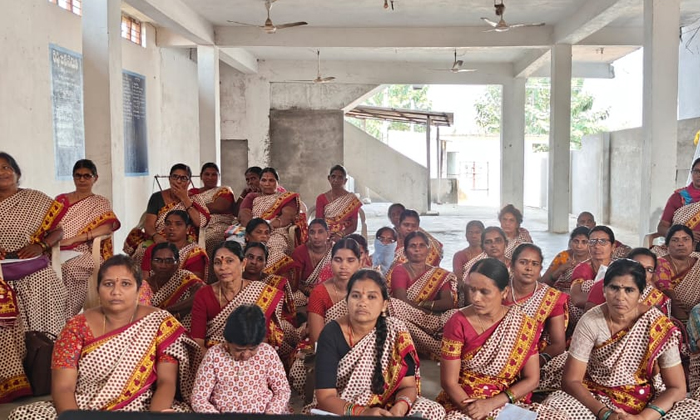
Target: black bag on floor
37 363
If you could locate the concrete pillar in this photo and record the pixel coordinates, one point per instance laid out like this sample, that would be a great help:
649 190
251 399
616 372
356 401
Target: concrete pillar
103 103
513 143
559 193
659 114
209 104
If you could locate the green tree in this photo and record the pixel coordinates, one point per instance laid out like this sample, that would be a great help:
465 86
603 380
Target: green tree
584 119
395 96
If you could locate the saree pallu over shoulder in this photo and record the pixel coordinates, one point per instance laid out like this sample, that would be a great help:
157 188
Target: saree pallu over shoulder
28 216
355 369
688 214
491 367
621 368
13 380
540 304
683 284
177 288
213 194
341 210
87 215
117 371
267 297
428 285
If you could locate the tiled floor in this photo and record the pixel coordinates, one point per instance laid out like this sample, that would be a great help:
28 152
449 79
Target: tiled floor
448 227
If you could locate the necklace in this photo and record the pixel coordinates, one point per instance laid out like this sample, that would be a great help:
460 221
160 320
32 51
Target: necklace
350 334
675 268
226 297
478 319
336 292
411 272
104 319
512 294
609 320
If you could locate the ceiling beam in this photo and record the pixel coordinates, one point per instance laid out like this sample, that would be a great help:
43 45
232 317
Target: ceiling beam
239 59
532 62
592 16
178 18
615 36
450 37
583 71
374 72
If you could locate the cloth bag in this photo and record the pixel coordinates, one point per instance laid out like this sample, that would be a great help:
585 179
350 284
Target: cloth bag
37 364
21 269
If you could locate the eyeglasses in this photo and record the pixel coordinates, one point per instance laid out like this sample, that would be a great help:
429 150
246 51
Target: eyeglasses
83 176
695 172
183 178
167 261
601 242
386 239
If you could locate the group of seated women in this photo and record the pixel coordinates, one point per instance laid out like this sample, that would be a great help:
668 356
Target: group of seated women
231 327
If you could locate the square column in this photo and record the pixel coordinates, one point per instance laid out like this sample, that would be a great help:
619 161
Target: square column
209 105
103 103
659 112
559 193
513 143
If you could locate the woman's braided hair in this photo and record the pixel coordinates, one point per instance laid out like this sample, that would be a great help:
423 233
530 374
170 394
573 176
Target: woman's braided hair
378 383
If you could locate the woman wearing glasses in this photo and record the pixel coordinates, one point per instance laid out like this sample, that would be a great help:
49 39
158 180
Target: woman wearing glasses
678 273
170 287
600 245
159 205
683 207
85 217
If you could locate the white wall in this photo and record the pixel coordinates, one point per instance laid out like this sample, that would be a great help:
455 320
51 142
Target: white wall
689 72
26 30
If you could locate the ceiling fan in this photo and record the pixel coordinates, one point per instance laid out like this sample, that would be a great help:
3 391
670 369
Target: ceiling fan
501 25
319 78
456 66
268 26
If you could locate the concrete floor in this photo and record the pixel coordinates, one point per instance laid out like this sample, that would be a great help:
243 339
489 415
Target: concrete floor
448 227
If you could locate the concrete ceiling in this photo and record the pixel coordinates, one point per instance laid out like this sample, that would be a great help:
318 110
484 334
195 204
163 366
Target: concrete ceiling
419 33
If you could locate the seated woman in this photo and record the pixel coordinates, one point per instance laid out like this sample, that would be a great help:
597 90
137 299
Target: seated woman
409 221
169 287
326 303
678 273
242 375
384 249
256 255
278 262
159 205
511 218
86 217
29 226
120 356
493 242
600 244
252 180
461 258
367 364
281 210
191 257
365 258
219 201
693 329
614 354
310 259
338 206
651 296
558 275
683 206
489 352
544 304
215 302
421 293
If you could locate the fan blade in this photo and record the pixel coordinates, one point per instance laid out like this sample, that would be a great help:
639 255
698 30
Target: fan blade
463 70
326 79
302 81
525 25
244 24
290 25
489 21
